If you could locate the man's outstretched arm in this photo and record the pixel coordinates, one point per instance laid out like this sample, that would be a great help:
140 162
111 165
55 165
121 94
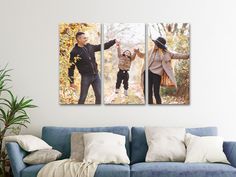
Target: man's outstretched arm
107 45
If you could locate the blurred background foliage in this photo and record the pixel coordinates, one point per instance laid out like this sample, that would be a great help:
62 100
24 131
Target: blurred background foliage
67 32
130 35
178 40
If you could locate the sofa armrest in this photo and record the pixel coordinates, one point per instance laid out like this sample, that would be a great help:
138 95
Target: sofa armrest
230 152
16 155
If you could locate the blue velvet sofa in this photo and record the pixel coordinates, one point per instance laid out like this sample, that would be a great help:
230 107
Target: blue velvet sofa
59 138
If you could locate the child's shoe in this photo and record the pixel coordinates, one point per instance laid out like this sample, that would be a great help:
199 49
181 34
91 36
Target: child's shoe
117 91
126 92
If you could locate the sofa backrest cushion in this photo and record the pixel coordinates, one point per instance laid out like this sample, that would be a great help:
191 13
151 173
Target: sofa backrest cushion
60 137
139 145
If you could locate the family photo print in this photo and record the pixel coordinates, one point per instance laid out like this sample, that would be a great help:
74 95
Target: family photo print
141 63
122 66
80 63
168 63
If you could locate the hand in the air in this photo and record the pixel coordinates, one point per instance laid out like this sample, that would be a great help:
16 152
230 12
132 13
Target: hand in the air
136 50
117 43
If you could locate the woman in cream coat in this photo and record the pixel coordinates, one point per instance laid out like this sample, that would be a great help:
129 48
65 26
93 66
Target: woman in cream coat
160 71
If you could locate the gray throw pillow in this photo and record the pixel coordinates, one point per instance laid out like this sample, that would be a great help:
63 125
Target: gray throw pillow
42 156
77 146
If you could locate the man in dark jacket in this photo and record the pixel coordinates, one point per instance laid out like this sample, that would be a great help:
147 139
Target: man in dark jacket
82 56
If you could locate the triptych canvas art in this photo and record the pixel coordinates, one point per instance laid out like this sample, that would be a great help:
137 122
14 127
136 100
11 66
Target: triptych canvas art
124 63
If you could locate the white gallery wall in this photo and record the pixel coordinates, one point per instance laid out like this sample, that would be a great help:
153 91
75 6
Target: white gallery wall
29 44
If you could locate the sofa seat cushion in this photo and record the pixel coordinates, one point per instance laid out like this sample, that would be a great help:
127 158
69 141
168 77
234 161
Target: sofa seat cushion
112 170
31 171
103 170
179 169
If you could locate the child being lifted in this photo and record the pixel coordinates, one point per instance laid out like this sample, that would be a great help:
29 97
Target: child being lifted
125 59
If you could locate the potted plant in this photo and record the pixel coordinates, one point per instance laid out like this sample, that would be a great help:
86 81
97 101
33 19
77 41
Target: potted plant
12 115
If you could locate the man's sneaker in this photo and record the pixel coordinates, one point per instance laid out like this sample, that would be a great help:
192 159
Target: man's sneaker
117 91
126 92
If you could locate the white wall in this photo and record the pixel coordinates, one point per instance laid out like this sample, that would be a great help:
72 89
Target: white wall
29 44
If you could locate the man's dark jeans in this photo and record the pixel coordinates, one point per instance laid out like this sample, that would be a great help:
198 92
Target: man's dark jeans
86 81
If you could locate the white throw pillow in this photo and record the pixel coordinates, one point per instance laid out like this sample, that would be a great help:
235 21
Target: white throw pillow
28 142
105 148
204 149
42 156
165 144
